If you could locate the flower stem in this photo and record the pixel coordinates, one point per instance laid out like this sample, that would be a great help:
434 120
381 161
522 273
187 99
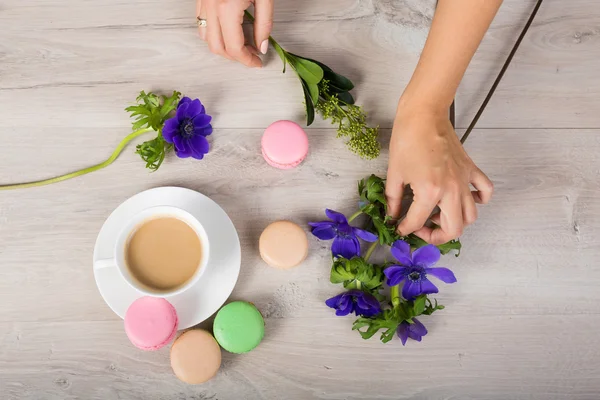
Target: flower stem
353 216
370 250
358 284
84 171
395 295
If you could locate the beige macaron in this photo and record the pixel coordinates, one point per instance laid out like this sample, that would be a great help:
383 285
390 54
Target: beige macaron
283 244
195 356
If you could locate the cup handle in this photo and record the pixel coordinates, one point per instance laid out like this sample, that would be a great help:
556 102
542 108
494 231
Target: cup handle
106 263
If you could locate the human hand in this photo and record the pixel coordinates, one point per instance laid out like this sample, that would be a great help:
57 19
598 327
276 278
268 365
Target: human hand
426 153
223 31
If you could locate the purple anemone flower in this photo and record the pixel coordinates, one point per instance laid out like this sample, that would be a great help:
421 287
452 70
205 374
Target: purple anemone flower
357 301
345 237
188 129
415 331
415 268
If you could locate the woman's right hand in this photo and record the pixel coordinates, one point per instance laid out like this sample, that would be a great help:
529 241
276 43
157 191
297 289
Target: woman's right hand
223 31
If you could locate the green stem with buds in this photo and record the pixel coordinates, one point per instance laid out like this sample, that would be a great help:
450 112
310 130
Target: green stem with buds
84 171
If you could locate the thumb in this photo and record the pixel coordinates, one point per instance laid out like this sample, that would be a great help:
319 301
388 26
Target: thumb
263 23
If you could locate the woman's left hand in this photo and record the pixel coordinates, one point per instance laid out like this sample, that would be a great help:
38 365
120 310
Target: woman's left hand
223 31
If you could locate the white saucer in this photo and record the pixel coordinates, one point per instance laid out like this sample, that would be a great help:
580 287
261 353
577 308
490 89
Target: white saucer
212 290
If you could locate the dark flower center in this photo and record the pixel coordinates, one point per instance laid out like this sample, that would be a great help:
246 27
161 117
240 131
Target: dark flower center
187 128
414 276
344 231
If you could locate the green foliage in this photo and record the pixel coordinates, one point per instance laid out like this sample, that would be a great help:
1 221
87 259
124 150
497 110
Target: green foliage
387 320
151 111
328 93
390 318
373 203
356 274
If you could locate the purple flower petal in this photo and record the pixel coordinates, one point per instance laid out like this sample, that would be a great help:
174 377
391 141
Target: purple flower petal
336 216
345 306
207 130
200 121
401 252
417 329
361 303
199 146
372 301
323 230
427 287
184 100
411 289
181 148
182 111
395 274
346 248
194 108
402 332
426 256
334 301
443 274
170 129
364 235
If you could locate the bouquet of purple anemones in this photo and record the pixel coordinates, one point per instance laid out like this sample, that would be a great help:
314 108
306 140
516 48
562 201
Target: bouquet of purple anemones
407 276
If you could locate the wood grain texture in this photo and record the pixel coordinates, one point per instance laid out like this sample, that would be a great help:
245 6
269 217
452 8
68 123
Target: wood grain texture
58 50
521 323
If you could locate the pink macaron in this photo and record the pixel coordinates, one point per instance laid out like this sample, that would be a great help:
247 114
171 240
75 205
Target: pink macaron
284 144
151 323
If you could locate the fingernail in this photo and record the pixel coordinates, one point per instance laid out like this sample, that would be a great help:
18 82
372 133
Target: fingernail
264 46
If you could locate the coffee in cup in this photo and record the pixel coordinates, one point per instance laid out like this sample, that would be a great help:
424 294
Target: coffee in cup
163 253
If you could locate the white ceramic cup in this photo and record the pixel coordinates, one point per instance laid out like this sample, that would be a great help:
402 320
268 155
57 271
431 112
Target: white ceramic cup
118 259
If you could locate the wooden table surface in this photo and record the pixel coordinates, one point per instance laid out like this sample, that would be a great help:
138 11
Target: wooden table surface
523 321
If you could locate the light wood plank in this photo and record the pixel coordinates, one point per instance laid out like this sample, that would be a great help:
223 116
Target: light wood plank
98 55
521 322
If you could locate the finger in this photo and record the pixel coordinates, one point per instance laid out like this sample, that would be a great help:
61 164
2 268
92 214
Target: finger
485 187
469 210
233 35
450 222
418 213
252 49
451 215
214 38
394 190
435 236
436 219
200 13
263 23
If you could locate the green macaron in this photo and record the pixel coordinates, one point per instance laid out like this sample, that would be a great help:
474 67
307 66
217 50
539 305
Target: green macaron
239 327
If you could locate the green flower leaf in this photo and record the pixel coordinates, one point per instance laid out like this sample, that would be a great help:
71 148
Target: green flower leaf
419 305
309 71
449 246
345 97
282 54
341 271
416 242
337 82
388 321
314 92
430 307
370 276
310 109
